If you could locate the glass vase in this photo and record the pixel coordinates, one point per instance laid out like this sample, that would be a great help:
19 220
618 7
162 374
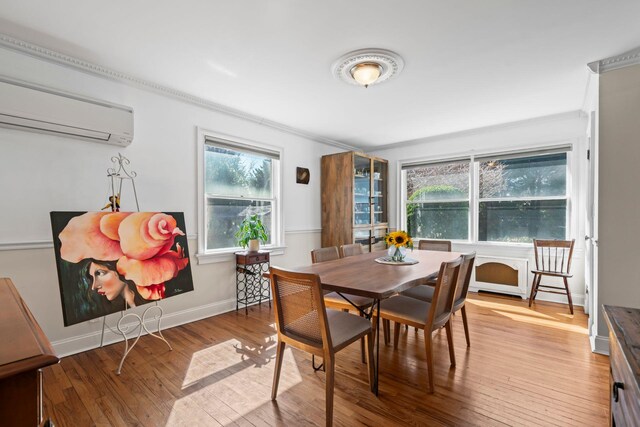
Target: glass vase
397 254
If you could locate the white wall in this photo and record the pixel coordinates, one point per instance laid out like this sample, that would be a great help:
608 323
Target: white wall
618 190
563 128
43 173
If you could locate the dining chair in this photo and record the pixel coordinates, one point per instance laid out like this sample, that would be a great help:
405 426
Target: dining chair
344 302
435 245
428 316
325 254
425 293
350 250
553 258
303 322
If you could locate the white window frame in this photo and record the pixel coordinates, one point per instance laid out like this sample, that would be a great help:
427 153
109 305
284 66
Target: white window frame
277 233
469 199
478 199
474 175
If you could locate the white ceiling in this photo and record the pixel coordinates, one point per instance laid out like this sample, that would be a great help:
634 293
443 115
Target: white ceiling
468 63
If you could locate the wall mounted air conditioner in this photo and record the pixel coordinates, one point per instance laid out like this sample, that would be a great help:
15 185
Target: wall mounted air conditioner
35 108
502 275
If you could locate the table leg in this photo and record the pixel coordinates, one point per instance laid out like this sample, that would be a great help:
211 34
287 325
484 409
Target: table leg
377 361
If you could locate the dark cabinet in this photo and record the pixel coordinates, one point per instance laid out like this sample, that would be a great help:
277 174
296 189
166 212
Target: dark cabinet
25 350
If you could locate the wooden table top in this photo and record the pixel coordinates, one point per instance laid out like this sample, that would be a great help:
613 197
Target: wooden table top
24 346
362 275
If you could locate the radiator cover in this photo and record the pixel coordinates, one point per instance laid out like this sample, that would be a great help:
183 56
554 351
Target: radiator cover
502 275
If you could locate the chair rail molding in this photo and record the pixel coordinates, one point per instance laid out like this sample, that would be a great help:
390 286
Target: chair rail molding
626 59
49 55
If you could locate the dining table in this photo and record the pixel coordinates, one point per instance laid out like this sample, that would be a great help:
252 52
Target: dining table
362 275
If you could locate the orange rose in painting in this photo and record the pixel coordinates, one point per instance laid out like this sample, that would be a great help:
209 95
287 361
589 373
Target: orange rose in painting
144 235
91 235
151 293
155 270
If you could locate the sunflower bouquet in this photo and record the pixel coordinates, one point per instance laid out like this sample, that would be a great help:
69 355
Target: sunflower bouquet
398 242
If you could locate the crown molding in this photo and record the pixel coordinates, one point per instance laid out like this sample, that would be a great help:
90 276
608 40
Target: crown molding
481 130
52 56
626 59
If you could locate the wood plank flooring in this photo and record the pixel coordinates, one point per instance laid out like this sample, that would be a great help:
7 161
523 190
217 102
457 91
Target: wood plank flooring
525 367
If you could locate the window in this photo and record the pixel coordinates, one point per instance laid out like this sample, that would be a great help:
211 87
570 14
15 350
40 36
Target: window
523 198
437 201
512 198
239 179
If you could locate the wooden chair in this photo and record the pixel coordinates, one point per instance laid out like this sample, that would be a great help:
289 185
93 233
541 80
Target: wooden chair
350 250
425 293
435 245
303 322
324 254
553 258
427 316
333 300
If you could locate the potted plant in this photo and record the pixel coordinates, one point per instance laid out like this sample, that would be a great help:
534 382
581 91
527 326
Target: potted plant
251 232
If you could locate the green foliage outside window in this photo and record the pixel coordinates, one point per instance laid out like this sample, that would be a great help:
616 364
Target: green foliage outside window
233 182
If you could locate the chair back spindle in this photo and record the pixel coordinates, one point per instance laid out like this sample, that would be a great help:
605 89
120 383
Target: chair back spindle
554 255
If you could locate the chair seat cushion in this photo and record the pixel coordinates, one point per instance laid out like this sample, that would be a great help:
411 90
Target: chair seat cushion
551 273
333 300
421 292
406 309
346 328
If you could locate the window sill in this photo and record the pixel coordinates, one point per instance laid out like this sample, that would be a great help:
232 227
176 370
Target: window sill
228 255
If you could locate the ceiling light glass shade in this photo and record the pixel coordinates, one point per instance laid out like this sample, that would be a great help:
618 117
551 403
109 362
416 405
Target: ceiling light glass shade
366 73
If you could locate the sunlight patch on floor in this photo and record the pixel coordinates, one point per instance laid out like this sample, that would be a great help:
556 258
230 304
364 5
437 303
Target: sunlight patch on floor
241 372
510 308
527 318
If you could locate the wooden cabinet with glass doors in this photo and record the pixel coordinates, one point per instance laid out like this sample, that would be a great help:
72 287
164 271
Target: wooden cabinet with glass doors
354 200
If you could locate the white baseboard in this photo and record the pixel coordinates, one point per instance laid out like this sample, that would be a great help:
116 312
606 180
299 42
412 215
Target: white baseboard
578 300
599 344
80 343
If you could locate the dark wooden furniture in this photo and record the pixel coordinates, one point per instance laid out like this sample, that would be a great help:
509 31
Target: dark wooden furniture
428 316
425 293
24 351
624 357
354 200
304 323
553 258
251 286
361 275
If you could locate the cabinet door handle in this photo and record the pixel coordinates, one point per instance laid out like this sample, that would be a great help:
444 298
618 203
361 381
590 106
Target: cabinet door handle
617 386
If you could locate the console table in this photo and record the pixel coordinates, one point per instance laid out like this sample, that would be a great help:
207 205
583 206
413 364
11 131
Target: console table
624 357
24 351
251 286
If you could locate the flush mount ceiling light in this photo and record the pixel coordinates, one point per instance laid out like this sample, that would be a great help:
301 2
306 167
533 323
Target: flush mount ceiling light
366 67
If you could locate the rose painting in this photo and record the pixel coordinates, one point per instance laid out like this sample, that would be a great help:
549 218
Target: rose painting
111 261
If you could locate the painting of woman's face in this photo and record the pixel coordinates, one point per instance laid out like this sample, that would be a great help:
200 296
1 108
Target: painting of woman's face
105 282
110 261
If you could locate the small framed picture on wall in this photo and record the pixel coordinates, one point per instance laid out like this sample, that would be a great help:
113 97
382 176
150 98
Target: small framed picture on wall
302 175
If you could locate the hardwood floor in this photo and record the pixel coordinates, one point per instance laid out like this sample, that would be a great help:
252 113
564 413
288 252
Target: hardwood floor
525 367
